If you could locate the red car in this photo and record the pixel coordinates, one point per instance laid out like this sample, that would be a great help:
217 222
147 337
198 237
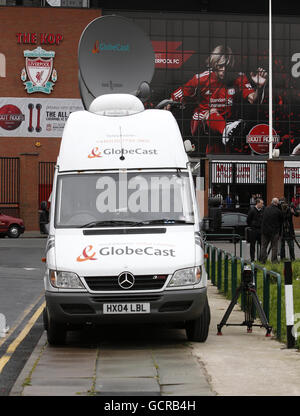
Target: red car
11 226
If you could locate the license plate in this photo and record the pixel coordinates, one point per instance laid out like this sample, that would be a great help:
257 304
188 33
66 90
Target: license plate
109 308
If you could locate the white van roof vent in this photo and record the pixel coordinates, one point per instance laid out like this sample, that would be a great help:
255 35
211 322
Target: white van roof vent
116 105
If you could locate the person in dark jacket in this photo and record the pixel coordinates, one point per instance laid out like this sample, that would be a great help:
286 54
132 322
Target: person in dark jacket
254 221
288 232
270 230
44 217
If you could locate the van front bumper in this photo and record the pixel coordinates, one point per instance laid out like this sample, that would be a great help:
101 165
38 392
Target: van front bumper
80 309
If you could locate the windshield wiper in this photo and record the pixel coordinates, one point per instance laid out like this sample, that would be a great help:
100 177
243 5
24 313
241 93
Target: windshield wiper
166 221
107 223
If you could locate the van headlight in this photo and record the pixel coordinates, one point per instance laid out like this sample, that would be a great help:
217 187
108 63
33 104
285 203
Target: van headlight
184 277
65 280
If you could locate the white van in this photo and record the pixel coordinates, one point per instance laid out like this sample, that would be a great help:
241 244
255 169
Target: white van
124 241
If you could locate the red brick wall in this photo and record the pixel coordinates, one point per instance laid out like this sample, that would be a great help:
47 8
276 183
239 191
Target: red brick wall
70 23
275 180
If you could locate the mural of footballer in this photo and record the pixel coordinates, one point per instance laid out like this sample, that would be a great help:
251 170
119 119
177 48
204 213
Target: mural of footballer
216 96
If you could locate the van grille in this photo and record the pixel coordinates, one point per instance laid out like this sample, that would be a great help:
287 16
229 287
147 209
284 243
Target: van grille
142 282
125 299
77 309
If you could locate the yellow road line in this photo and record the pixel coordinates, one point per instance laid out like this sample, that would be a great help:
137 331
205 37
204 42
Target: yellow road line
13 346
20 319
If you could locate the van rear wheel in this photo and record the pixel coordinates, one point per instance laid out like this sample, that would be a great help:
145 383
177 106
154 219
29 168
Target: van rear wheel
197 330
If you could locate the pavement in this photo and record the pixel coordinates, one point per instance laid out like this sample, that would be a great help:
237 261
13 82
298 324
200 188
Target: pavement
236 363
33 234
246 364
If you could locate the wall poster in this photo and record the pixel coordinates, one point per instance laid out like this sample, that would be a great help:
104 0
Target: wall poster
217 67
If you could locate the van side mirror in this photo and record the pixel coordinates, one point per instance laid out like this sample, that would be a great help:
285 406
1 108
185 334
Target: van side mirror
189 147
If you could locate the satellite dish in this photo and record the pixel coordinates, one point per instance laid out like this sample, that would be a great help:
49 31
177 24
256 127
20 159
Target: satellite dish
115 57
86 96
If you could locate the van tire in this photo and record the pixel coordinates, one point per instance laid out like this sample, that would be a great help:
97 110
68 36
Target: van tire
197 330
56 332
45 319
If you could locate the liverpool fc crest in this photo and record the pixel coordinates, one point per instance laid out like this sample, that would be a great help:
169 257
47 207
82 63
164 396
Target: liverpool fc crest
39 70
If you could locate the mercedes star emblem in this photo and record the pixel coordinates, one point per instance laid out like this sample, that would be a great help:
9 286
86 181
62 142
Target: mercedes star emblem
126 280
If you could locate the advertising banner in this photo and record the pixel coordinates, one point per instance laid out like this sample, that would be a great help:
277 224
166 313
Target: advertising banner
217 67
239 173
292 175
35 117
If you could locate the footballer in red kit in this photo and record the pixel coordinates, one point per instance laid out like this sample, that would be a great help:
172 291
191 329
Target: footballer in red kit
216 96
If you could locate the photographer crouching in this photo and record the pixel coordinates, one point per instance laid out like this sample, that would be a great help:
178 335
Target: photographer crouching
287 231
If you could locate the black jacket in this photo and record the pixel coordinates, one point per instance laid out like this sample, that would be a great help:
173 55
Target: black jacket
272 220
287 225
254 218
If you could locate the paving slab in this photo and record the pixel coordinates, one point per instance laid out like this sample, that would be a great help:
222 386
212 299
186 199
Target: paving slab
127 354
178 360
128 384
186 389
182 378
82 383
125 369
52 391
63 371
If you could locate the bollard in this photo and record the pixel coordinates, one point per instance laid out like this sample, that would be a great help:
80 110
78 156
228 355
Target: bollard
3 328
213 265
243 248
233 275
226 273
219 269
289 303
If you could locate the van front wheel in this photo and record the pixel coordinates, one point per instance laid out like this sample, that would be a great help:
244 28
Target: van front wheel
197 330
56 332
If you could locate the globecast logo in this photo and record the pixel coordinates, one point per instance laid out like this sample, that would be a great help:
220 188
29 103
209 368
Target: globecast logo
88 252
95 152
128 251
117 47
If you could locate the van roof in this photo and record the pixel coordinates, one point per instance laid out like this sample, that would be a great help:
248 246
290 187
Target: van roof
149 139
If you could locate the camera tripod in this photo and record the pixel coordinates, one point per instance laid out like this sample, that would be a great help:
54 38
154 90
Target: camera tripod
248 289
295 239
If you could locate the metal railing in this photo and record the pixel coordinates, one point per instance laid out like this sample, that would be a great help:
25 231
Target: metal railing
224 270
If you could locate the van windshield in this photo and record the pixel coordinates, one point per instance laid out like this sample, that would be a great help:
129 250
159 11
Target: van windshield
126 198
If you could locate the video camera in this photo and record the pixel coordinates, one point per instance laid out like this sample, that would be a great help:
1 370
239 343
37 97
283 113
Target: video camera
283 205
247 275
